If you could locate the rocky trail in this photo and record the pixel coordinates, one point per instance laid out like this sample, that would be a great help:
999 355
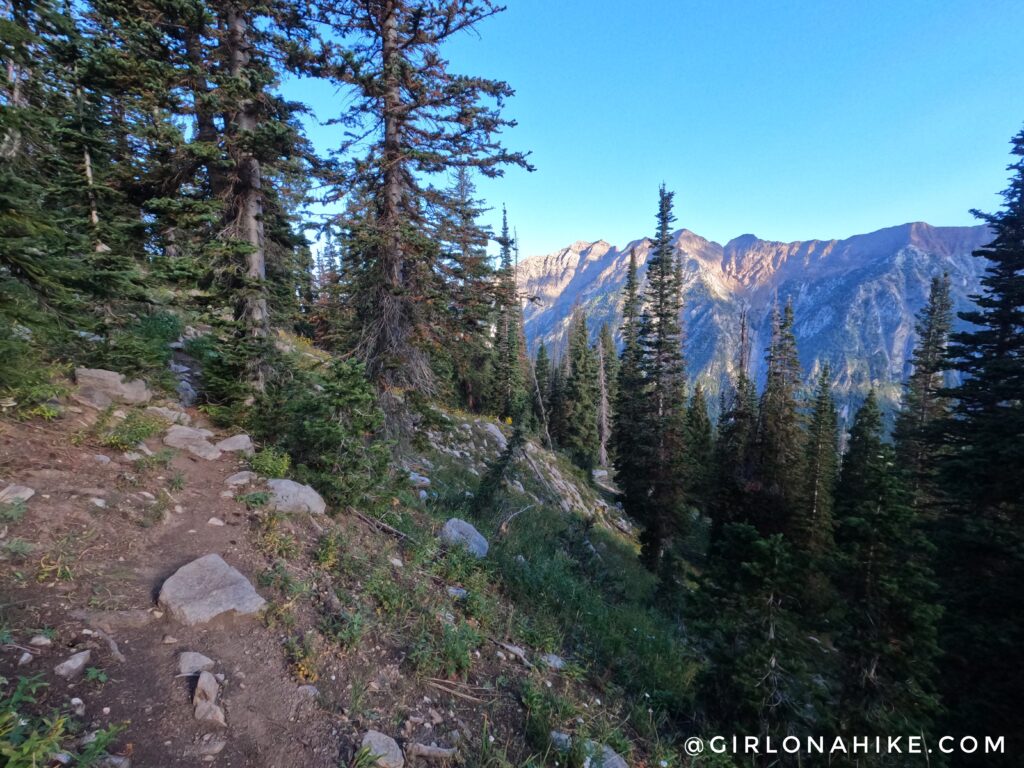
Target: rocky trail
137 582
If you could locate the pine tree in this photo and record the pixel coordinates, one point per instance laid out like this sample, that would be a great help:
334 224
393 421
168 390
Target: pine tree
604 415
580 439
558 411
663 408
417 119
509 387
779 457
611 362
700 449
734 449
542 388
887 644
812 523
924 407
627 410
981 529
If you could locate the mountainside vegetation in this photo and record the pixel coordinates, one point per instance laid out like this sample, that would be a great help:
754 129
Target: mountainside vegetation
582 555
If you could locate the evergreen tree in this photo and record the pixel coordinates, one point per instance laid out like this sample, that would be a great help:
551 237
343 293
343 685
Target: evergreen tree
580 439
542 388
611 363
663 408
887 643
509 387
416 119
924 407
627 439
981 531
700 449
604 415
779 457
812 523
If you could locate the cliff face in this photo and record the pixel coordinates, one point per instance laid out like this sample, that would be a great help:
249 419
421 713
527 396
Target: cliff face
854 299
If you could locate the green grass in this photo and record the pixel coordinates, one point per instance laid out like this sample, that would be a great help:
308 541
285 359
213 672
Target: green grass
12 512
270 462
136 427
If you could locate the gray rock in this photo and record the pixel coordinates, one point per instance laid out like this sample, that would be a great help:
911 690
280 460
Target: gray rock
113 761
207 588
552 660
418 480
171 415
25 658
101 459
78 707
495 432
40 641
241 478
308 692
458 593
195 441
100 388
192 663
216 522
73 666
237 444
422 494
457 532
14 493
562 742
289 496
384 749
178 368
208 712
207 689
598 474
187 394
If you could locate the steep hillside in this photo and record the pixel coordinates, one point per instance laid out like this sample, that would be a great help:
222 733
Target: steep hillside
855 299
168 602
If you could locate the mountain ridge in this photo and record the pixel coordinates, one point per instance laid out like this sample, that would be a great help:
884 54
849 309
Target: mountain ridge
855 298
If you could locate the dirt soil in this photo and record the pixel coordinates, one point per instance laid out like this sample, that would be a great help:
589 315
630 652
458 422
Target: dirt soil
105 535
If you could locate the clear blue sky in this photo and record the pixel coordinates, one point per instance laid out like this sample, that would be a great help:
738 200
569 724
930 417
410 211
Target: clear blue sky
789 119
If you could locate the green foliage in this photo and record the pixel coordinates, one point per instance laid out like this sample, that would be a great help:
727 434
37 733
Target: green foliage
140 347
270 462
12 512
127 433
579 438
448 652
329 423
27 741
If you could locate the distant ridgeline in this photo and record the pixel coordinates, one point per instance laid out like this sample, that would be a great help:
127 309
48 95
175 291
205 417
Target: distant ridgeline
854 299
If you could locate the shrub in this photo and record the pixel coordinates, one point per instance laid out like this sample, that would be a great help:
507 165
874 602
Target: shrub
270 462
329 423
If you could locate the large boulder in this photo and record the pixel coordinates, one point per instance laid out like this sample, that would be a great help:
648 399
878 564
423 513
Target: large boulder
207 588
195 441
384 749
460 533
289 496
100 388
241 443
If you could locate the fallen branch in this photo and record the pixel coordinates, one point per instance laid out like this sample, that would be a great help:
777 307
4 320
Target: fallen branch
380 525
452 692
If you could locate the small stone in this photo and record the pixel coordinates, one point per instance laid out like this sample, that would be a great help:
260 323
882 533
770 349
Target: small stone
397 562
241 478
73 666
195 441
215 521
459 532
212 747
98 502
458 593
553 661
207 712
78 707
206 689
418 480
310 692
384 749
40 641
113 761
192 663
25 658
562 742
423 495
99 458
237 444
170 640
171 415
290 496
15 493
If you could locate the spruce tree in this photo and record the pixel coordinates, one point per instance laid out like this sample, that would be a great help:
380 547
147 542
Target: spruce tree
558 411
812 523
416 118
662 420
700 449
887 643
541 397
508 387
779 456
981 528
581 439
627 410
924 407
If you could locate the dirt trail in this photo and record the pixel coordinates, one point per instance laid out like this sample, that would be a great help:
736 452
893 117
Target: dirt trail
105 535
